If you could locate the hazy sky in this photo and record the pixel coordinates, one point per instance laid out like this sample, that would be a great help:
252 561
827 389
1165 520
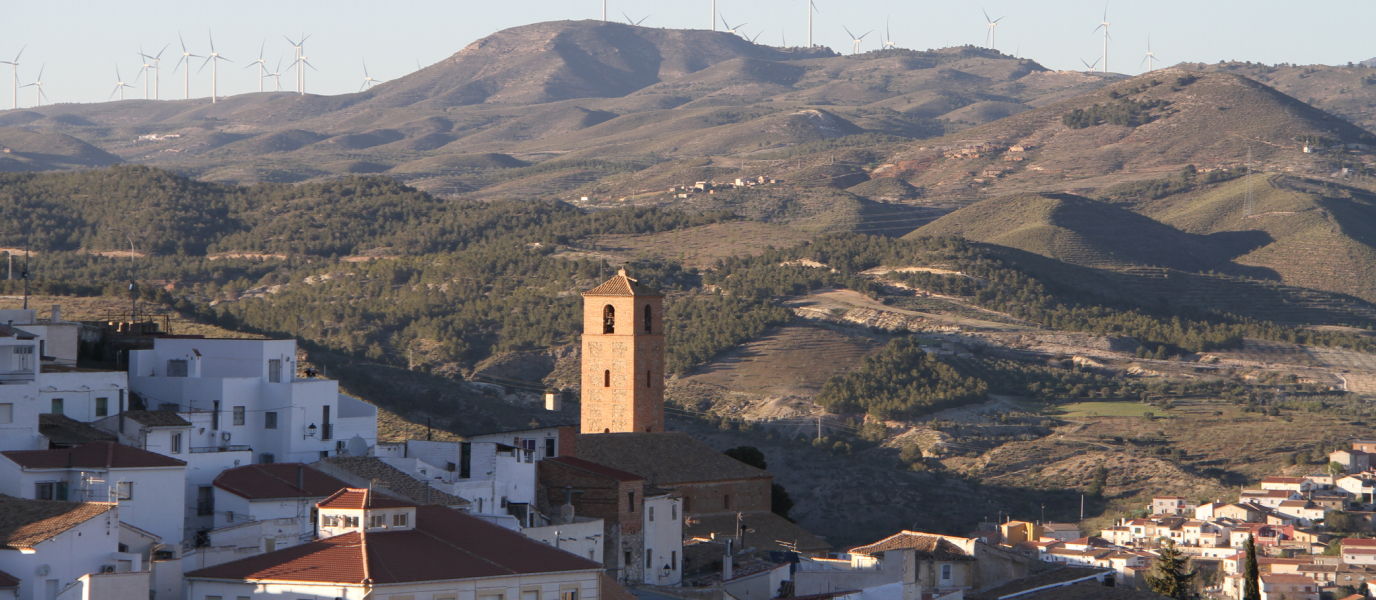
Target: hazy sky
82 42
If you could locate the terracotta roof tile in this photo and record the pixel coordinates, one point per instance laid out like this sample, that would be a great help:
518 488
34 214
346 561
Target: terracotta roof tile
24 523
444 545
277 480
664 458
95 455
928 547
594 468
7 331
359 498
1278 479
8 581
157 418
621 285
63 430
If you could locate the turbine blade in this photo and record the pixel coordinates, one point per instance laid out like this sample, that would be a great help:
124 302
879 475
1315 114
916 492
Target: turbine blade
365 84
998 19
112 94
40 72
164 49
207 61
867 33
261 48
21 53
986 15
212 42
852 36
43 93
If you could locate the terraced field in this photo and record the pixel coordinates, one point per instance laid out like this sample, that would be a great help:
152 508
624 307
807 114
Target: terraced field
702 246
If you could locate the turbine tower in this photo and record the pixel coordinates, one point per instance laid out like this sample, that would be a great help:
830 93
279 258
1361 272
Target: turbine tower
186 58
156 60
713 18
15 63
857 40
368 80
262 68
143 71
888 38
1104 26
604 11
214 61
1150 59
811 8
119 85
277 74
297 63
38 97
992 24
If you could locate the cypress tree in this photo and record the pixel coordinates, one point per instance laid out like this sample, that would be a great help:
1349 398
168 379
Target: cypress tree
1253 589
1168 576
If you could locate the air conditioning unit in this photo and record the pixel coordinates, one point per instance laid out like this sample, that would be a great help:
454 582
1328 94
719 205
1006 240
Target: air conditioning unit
107 568
225 436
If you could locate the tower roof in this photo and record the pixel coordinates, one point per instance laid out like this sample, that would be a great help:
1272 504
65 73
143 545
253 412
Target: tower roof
621 285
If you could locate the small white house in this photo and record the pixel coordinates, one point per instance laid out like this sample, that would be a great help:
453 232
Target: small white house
57 548
147 486
386 548
268 492
32 383
662 519
498 478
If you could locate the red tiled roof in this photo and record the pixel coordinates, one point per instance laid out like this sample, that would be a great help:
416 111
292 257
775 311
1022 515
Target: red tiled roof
359 498
1278 479
277 480
1359 542
1285 578
621 285
8 581
95 455
1363 551
596 469
444 545
26 523
927 547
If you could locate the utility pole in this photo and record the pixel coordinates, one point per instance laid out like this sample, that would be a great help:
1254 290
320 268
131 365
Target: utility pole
25 275
1082 507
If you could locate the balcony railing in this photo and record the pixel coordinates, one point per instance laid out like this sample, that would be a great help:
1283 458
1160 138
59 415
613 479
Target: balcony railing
327 432
18 376
204 449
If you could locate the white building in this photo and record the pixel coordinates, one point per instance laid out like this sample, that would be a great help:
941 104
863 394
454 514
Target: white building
68 550
386 548
34 383
246 393
541 442
498 478
663 527
267 492
147 486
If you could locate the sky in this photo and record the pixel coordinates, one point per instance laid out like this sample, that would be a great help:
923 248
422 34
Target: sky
79 45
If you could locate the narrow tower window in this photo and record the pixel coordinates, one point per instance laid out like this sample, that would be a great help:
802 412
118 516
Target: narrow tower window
649 379
648 314
609 319
606 379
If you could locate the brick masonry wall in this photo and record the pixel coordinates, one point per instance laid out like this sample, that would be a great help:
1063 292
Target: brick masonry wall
607 499
747 495
623 372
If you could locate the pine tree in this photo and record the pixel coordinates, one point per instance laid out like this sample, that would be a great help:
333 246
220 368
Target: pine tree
1253 589
1169 577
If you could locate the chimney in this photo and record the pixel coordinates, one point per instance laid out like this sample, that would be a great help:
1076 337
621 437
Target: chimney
57 313
301 477
554 401
726 566
121 411
566 511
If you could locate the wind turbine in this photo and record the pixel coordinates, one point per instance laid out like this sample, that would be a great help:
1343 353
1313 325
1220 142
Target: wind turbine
38 97
889 44
811 8
857 40
262 68
277 75
992 24
214 70
1150 59
713 19
186 58
156 60
729 28
119 85
1104 26
632 21
15 63
300 58
1090 67
604 11
368 81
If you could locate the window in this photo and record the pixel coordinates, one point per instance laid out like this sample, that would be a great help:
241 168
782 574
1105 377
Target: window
229 516
650 513
489 596
125 490
351 521
266 458
215 415
549 447
465 460
945 572
102 407
238 415
568 595
673 512
673 560
399 520
176 368
57 406
649 379
377 521
609 319
214 598
23 358
630 501
341 448
726 501
648 318
6 413
176 443
205 501
606 379
269 545
51 490
270 420
649 559
275 370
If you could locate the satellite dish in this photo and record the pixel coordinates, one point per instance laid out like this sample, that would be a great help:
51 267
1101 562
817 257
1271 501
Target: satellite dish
357 446
42 570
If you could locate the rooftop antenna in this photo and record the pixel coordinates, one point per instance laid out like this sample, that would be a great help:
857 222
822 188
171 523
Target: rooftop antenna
119 85
1249 206
992 24
729 28
156 59
186 57
214 58
261 64
368 81
15 63
888 39
857 40
1104 26
39 83
1150 59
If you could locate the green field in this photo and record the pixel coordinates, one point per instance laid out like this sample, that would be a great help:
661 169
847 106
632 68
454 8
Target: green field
1120 408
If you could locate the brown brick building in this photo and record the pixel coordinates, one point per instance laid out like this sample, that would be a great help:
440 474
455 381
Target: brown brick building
623 357
600 492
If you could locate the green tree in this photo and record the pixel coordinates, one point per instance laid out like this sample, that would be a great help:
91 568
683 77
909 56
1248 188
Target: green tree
779 501
1252 589
1099 481
1169 577
1336 467
1340 521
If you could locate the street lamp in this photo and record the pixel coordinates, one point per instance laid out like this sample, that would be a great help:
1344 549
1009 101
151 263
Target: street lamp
310 432
133 269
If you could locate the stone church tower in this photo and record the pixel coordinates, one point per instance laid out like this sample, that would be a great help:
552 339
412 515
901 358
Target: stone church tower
623 358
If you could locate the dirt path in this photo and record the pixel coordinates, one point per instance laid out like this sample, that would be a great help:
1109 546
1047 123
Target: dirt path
822 303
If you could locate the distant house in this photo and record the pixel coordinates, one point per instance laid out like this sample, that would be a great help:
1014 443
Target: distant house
263 493
1288 587
1170 505
1268 498
48 547
1359 488
1353 461
1064 532
937 566
1293 484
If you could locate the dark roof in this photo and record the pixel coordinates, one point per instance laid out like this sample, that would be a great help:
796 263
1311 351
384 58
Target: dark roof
444 545
665 459
25 523
8 581
927 547
621 285
7 331
766 531
95 455
594 468
157 418
62 430
357 498
397 483
1064 575
277 480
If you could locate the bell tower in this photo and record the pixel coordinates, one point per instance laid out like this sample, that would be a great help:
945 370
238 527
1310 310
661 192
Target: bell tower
623 358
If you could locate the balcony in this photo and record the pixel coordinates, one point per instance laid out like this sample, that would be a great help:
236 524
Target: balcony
327 432
205 449
16 377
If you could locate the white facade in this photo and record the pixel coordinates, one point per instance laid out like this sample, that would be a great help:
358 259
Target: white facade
57 563
150 498
30 387
542 442
493 476
582 537
231 509
247 394
544 586
663 527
